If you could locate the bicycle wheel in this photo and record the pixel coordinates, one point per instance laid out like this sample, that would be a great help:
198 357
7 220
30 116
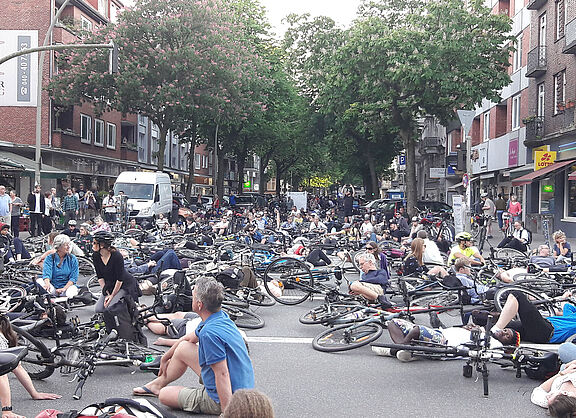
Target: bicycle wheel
258 298
475 229
38 358
94 287
11 298
346 337
446 298
289 281
501 295
243 318
85 267
324 313
509 253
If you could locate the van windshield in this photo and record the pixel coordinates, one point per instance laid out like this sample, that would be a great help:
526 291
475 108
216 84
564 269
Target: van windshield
135 190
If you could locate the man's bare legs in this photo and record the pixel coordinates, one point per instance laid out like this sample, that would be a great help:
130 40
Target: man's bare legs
398 336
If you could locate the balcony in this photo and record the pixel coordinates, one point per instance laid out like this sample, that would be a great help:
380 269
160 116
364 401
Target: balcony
536 62
534 130
570 38
535 4
431 145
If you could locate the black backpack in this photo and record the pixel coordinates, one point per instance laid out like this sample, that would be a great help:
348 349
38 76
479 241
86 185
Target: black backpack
230 278
123 317
181 299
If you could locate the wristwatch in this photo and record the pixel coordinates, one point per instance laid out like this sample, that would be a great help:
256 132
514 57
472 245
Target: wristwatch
6 408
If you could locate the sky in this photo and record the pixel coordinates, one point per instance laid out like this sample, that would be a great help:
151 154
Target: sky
342 11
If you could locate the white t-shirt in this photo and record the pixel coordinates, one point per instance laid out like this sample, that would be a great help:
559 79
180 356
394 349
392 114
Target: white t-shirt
540 396
432 253
457 336
109 201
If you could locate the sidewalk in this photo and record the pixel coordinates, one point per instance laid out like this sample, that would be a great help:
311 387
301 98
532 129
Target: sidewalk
537 239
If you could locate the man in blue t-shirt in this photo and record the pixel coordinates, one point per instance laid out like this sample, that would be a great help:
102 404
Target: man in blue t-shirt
216 352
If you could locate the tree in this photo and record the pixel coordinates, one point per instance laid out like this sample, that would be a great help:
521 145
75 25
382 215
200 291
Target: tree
181 63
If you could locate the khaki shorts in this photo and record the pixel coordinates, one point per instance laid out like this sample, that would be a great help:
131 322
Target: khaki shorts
197 400
373 287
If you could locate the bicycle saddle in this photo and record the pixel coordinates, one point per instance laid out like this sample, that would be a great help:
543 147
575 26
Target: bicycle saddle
10 358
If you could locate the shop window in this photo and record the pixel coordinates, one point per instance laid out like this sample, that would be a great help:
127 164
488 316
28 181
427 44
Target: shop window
570 209
547 186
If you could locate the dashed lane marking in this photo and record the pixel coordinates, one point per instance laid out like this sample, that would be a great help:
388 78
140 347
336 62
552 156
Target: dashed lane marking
280 340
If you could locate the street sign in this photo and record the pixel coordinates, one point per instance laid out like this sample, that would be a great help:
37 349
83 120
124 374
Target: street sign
401 162
437 173
466 117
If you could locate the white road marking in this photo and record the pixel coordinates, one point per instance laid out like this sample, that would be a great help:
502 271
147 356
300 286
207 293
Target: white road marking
280 340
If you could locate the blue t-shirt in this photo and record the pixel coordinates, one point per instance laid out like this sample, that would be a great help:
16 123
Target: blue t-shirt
565 325
376 277
219 339
5 205
59 276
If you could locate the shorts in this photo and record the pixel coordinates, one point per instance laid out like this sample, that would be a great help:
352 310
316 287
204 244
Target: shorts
198 401
426 334
179 326
373 287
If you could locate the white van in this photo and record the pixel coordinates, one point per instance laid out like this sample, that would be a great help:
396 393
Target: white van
149 194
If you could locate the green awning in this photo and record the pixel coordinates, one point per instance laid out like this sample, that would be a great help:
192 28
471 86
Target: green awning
15 162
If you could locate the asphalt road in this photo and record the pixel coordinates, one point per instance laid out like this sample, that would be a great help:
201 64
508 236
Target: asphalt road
303 382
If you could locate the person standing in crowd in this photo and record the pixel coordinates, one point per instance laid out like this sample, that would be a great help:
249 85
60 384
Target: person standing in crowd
348 201
500 204
515 208
109 206
37 205
70 206
47 215
5 206
81 201
17 204
90 205
489 209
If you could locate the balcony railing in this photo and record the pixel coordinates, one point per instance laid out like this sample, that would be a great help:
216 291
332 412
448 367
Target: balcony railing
534 129
536 62
535 4
570 38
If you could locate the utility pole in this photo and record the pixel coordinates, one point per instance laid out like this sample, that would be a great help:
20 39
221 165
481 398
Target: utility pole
466 118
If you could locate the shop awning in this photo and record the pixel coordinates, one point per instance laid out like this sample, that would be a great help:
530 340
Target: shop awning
535 175
27 166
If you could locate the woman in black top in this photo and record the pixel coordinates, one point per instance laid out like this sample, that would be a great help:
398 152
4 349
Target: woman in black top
115 281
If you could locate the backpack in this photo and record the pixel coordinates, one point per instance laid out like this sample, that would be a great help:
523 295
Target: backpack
113 408
181 299
123 317
529 241
230 277
451 281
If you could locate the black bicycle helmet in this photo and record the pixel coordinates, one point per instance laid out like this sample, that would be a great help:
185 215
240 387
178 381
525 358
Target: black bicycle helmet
104 237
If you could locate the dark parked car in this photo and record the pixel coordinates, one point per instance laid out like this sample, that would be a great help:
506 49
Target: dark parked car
252 200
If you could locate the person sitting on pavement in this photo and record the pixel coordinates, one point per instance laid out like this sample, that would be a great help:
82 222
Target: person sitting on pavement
413 263
84 239
464 248
394 233
71 231
518 240
13 246
462 267
159 261
100 225
373 281
367 230
215 351
221 226
316 257
317 226
133 224
532 326
373 248
546 261
432 255
253 236
415 227
562 250
60 270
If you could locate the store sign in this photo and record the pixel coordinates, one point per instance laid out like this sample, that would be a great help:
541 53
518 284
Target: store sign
513 152
548 188
543 159
540 148
247 184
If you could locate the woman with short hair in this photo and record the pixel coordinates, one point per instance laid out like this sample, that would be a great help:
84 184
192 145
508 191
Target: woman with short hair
60 270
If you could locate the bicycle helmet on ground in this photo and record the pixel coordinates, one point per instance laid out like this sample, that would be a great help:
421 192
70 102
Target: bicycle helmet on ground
463 236
104 237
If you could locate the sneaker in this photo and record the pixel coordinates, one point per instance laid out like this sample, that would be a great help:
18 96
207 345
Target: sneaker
405 356
382 351
384 302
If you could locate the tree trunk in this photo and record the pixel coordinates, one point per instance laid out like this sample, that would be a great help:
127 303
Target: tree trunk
264 161
161 147
277 177
191 180
240 164
220 174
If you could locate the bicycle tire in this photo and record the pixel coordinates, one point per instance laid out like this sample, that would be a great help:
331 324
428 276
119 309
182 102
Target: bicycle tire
546 309
292 280
258 298
355 256
86 267
94 287
347 337
244 318
481 238
425 349
444 298
324 313
35 362
509 253
11 298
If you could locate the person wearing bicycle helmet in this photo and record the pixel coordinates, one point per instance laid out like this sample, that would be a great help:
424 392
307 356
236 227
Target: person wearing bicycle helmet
464 248
113 278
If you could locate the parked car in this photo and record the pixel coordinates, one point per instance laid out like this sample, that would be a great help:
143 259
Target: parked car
251 200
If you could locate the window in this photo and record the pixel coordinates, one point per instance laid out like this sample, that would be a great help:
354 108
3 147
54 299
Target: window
542 30
540 104
516 112
86 23
547 195
197 161
570 202
517 59
559 91
99 132
85 129
103 7
155 144
111 136
486 135
560 19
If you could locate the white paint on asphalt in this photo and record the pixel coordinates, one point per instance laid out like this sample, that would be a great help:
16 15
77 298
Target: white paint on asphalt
279 340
